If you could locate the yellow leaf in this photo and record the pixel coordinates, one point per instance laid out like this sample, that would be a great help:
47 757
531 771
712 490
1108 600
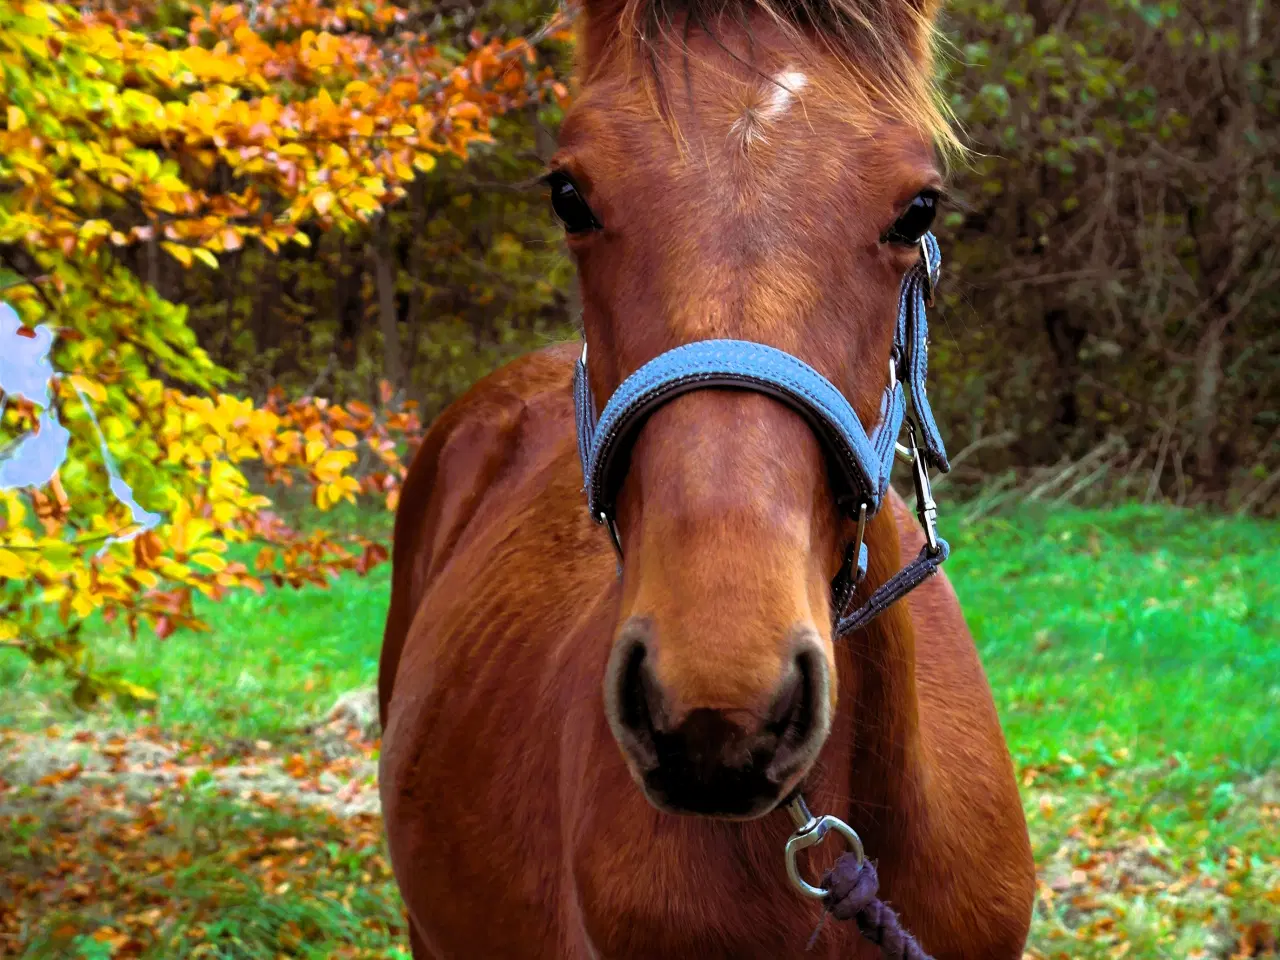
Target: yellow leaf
132 689
205 257
195 530
91 387
178 252
424 162
17 119
331 465
345 438
83 605
314 449
210 561
11 565
16 511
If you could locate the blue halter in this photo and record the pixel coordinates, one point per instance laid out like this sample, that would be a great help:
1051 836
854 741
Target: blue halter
861 461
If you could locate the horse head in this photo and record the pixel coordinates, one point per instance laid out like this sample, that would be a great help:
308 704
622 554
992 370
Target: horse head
757 171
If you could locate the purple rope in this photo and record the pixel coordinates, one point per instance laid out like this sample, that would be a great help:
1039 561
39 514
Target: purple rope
851 895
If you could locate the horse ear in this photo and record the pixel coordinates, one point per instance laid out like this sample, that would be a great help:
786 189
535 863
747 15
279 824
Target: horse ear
917 21
927 10
600 24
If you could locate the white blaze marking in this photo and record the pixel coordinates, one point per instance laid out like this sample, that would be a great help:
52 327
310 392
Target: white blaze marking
782 92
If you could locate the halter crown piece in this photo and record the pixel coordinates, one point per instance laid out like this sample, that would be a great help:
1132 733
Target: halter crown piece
861 461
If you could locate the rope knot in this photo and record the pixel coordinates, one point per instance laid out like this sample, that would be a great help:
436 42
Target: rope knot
851 887
851 895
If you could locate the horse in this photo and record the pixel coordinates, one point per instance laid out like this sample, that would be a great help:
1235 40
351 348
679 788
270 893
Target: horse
590 729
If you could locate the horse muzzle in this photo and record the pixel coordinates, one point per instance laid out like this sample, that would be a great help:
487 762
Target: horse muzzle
716 761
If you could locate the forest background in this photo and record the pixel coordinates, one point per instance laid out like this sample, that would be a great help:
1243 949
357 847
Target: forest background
247 252
268 241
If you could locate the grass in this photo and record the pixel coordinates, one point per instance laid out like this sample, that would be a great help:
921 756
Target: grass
1134 660
268 663
1147 630
237 881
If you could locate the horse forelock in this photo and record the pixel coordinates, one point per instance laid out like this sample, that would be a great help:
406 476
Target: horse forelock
885 52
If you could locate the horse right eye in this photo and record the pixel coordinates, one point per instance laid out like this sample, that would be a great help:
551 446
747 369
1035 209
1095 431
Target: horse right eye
915 221
569 206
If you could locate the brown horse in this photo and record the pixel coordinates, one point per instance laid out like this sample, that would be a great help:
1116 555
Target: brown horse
728 169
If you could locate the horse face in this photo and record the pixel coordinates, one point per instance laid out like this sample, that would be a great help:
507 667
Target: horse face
748 188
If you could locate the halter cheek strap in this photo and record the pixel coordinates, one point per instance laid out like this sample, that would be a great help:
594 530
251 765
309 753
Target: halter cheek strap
861 461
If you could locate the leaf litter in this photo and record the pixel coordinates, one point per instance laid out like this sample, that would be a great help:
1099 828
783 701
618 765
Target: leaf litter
136 844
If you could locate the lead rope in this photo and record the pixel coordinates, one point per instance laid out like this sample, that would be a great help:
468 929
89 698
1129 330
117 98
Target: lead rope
851 895
849 888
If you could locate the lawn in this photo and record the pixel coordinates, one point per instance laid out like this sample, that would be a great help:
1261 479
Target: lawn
1133 654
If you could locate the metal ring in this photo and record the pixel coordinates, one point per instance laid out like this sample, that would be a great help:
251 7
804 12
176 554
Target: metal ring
811 834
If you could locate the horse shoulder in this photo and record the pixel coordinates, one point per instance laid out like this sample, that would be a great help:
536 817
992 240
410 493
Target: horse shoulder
467 448
974 813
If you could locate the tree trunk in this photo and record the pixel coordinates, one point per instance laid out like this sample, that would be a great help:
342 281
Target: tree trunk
388 321
1205 401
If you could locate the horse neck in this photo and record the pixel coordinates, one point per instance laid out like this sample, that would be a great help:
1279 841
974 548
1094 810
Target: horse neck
874 751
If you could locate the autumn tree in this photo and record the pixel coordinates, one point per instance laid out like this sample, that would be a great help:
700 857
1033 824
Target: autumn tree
1113 277
168 137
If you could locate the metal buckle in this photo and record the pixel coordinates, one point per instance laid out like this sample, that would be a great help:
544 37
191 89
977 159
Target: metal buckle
607 520
857 543
931 273
926 508
810 831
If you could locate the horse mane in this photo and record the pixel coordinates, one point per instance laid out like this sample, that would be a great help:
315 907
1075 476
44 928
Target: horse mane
888 48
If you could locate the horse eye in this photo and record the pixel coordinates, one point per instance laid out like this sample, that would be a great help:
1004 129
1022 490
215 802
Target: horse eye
915 223
569 206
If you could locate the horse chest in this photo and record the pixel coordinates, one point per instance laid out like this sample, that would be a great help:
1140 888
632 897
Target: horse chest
650 886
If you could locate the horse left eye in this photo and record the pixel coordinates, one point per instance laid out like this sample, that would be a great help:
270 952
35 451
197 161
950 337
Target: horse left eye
569 206
915 223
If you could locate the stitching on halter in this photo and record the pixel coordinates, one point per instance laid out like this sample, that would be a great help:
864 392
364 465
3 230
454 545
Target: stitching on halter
864 458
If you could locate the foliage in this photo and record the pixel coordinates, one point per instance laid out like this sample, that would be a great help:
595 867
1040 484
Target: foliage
1140 711
193 135
1110 265
361 178
1108 275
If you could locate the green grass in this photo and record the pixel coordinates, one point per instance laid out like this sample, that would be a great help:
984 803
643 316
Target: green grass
1134 659
267 663
210 878
1143 629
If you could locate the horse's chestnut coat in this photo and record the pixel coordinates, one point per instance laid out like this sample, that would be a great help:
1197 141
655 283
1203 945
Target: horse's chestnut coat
516 823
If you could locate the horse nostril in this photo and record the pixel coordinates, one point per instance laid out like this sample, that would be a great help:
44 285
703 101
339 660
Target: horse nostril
723 760
793 718
789 699
639 701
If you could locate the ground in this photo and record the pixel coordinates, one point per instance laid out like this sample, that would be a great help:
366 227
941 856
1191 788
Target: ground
1133 654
